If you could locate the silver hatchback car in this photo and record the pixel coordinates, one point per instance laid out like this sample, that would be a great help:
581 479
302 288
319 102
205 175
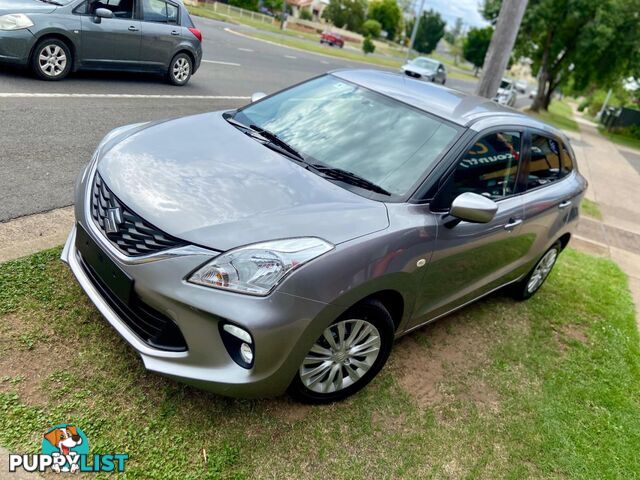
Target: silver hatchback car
286 244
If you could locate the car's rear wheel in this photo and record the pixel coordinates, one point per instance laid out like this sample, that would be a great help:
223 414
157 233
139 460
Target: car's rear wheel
529 285
347 356
180 69
51 59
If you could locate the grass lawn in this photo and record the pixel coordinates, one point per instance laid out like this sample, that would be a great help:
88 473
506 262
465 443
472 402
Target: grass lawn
548 388
624 140
591 208
559 115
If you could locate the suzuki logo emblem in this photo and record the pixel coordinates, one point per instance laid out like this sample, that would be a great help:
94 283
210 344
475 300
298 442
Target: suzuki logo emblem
113 220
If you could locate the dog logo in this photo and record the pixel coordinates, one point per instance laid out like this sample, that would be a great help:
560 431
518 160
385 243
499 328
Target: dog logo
65 448
67 441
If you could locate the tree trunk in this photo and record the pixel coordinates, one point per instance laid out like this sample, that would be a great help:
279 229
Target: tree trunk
543 77
547 97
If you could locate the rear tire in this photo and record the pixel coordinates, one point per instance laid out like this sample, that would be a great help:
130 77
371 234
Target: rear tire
347 356
180 70
51 60
530 284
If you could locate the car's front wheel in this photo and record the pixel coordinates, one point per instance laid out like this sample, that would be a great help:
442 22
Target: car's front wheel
347 356
51 59
530 284
180 70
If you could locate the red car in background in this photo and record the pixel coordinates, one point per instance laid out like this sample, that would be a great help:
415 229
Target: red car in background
332 39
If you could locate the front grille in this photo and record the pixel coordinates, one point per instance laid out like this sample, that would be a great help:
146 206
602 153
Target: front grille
412 74
132 235
152 327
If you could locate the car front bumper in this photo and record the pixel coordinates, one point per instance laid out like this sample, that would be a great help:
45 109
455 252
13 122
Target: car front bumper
16 45
283 326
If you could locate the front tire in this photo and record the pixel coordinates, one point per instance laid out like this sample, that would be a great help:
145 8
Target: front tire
51 60
180 70
529 285
347 356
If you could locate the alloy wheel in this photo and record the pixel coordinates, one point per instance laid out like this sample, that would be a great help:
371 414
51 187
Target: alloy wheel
342 355
52 60
541 272
181 69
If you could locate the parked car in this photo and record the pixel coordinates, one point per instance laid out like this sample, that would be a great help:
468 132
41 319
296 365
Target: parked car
56 37
425 68
506 94
331 39
521 86
533 93
269 248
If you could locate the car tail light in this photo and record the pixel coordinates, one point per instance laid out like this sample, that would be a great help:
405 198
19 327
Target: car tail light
197 33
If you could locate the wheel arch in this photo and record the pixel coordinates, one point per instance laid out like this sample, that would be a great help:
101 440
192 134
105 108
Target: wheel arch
57 35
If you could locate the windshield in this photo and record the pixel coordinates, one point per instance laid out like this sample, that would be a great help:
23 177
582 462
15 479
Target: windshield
425 63
505 84
345 126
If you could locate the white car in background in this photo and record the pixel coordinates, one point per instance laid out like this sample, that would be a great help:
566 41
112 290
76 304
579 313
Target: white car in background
506 94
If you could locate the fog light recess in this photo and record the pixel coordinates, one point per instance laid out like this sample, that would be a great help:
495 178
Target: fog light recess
239 344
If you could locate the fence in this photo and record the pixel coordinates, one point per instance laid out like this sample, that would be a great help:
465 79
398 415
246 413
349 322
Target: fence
231 11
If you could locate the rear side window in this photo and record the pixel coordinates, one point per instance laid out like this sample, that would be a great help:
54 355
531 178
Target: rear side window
567 161
159 11
489 168
544 165
187 22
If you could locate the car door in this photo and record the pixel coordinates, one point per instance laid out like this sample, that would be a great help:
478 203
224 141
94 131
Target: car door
110 42
471 259
547 198
161 32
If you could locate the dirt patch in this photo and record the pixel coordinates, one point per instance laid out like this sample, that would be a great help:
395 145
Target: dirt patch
482 395
388 423
287 410
572 331
450 350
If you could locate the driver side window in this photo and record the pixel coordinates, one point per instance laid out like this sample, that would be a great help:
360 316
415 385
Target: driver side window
120 8
489 168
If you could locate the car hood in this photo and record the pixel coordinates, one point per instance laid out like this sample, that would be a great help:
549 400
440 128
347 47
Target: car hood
25 6
202 180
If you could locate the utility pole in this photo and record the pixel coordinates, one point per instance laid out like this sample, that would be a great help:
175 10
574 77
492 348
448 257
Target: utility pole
504 37
415 28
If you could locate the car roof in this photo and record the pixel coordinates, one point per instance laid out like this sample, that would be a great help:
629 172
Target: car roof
453 105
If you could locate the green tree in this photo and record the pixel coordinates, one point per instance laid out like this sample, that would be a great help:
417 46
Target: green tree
372 28
452 34
274 6
388 14
476 45
582 43
305 14
367 45
246 4
349 14
430 31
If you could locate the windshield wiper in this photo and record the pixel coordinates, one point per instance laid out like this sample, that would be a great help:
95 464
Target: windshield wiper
273 138
53 2
351 178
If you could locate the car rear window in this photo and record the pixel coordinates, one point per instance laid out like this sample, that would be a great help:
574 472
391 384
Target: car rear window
544 162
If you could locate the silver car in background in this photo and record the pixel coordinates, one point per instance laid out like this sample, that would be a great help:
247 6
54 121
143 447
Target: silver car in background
286 244
507 94
425 68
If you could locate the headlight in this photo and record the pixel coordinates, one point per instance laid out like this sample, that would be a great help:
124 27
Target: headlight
15 21
256 269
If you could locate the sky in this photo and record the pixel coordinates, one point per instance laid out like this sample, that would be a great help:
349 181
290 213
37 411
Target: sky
468 10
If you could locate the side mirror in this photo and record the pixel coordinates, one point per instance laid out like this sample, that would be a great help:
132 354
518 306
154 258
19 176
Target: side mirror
257 96
474 208
102 13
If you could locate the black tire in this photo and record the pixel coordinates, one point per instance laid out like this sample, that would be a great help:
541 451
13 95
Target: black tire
51 60
180 70
444 80
372 312
523 290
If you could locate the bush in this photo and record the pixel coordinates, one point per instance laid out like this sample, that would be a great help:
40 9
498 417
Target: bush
367 45
305 14
371 28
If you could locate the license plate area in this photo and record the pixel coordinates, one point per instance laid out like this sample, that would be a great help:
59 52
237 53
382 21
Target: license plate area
116 280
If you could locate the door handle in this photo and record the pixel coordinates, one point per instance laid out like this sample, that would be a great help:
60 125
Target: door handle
564 205
512 224
133 28
175 32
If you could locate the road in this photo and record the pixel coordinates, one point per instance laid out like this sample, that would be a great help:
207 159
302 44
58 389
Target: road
48 131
